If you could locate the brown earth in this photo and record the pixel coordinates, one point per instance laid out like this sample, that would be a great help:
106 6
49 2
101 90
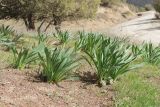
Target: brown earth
19 89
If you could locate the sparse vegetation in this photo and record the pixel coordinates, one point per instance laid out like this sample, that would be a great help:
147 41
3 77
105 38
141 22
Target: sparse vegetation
23 57
88 41
137 50
62 37
54 10
57 64
109 57
8 36
137 89
110 2
89 68
42 38
156 4
5 35
151 54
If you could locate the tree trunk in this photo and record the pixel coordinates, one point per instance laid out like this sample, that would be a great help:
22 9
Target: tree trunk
58 28
26 22
48 25
57 22
31 24
39 28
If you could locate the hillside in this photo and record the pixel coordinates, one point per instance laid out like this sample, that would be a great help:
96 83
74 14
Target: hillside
105 17
78 69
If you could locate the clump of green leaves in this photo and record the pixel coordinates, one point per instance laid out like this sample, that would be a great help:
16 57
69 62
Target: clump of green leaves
62 37
6 30
137 50
151 54
5 33
87 41
42 38
80 41
22 57
58 64
110 57
8 36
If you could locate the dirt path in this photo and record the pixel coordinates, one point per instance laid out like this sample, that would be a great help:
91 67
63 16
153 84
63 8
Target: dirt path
144 28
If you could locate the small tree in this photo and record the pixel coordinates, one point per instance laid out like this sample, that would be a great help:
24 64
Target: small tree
156 4
19 9
61 10
54 10
110 2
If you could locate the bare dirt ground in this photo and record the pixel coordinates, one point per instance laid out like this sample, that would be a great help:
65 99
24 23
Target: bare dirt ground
20 89
144 28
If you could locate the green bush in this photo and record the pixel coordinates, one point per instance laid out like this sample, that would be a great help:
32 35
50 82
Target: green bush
57 64
110 57
110 2
8 37
62 37
5 33
23 58
148 52
42 38
151 54
156 4
137 50
87 41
